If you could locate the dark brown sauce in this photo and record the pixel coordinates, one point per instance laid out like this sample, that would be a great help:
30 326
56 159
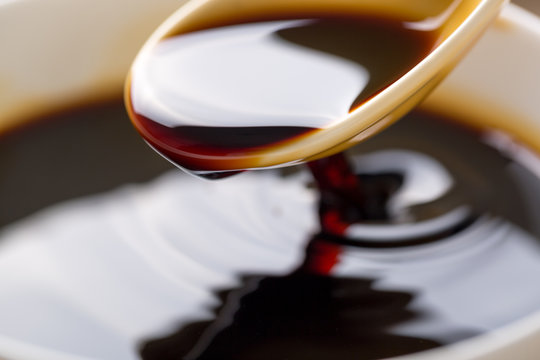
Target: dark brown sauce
217 99
313 312
68 155
299 317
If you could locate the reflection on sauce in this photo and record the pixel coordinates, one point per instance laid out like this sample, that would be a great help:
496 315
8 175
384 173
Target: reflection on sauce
181 266
363 287
303 315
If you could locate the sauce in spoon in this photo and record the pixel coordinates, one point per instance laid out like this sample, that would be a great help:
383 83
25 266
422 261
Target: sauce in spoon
224 86
216 99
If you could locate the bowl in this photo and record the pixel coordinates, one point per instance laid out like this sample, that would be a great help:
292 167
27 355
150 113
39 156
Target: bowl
55 57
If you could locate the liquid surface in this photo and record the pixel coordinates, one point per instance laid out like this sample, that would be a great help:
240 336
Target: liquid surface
441 245
408 195
69 155
218 99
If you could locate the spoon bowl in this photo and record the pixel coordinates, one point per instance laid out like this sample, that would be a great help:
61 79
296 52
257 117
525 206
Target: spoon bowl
456 25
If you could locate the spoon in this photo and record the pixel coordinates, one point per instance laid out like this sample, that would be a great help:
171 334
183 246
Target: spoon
454 25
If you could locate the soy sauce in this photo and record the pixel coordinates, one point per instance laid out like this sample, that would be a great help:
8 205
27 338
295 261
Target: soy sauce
219 98
416 236
67 155
330 305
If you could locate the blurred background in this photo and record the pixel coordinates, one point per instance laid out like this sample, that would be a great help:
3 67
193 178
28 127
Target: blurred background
533 5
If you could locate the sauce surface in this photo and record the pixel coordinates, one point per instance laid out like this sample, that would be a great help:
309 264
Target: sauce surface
263 264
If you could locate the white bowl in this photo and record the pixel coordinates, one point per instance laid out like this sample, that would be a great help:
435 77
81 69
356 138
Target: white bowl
56 53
